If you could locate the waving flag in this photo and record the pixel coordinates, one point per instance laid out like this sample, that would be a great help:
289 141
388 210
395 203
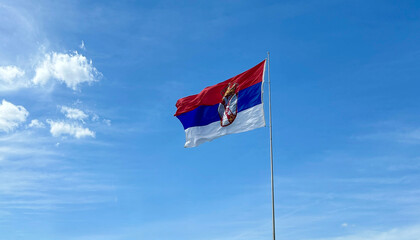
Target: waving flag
232 106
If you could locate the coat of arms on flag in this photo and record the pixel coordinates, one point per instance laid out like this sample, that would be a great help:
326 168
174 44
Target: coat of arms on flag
228 106
232 106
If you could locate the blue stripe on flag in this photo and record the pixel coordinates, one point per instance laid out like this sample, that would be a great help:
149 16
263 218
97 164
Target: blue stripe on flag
249 97
204 115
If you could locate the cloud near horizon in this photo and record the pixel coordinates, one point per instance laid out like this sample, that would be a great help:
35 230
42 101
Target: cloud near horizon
401 233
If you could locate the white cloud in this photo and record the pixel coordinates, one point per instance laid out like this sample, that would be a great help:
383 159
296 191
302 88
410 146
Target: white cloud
73 113
82 45
11 78
35 123
71 69
9 73
107 122
62 128
11 116
95 117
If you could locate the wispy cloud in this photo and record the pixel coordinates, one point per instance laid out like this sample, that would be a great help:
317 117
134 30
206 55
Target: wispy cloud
400 233
82 45
21 33
73 113
391 131
408 136
36 175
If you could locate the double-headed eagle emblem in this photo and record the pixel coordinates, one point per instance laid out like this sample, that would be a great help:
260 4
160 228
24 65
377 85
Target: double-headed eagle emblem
228 107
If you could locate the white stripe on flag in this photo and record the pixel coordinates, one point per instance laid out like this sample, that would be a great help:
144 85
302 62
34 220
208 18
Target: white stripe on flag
246 120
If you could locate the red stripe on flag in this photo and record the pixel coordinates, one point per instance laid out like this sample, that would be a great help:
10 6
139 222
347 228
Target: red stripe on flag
212 95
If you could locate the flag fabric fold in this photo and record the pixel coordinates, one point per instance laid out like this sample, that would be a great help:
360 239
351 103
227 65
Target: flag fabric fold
232 106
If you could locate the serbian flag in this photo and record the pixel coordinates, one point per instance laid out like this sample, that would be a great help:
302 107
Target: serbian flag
232 106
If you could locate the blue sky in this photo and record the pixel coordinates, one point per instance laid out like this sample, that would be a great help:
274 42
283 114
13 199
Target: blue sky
90 149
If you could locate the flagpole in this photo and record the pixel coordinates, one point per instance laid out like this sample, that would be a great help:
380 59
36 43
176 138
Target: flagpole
271 147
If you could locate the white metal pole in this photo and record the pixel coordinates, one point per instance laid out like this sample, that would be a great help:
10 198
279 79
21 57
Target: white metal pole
271 147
